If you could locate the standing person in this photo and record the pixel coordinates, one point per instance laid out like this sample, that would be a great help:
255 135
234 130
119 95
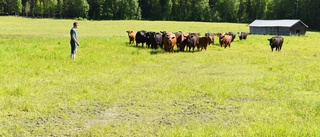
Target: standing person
74 40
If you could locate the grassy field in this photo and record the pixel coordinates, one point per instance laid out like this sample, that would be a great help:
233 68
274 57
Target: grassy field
118 89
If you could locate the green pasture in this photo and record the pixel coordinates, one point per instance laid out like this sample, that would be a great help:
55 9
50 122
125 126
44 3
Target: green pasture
117 89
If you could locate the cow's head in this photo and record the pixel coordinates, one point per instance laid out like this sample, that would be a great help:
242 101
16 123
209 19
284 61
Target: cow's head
170 36
271 41
129 31
189 38
221 37
208 34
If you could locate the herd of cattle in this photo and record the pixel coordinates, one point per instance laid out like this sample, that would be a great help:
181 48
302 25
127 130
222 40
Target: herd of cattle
188 41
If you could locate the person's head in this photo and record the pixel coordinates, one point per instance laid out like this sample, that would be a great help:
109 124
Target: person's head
75 24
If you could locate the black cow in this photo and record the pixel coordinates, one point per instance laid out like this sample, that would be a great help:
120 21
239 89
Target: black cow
276 42
193 41
151 42
155 39
233 35
141 37
150 38
242 35
159 39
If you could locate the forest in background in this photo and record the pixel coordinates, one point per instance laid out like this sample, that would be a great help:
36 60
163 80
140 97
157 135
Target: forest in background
237 11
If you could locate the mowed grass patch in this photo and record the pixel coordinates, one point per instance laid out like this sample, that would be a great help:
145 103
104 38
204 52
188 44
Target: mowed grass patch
117 89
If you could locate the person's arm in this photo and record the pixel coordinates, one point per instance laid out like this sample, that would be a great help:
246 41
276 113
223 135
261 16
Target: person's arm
75 40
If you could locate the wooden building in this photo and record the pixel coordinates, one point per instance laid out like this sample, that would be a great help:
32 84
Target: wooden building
278 27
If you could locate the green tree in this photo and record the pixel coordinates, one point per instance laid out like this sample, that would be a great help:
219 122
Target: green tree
3 7
308 11
132 9
166 9
49 7
256 9
226 10
121 9
81 8
242 15
213 14
281 9
75 8
146 7
58 11
38 8
15 7
95 9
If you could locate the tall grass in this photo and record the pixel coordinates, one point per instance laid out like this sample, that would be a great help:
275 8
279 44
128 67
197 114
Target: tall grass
118 89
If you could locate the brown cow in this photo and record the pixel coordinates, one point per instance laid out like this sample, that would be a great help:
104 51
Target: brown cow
178 36
181 42
169 41
218 34
225 40
204 42
211 36
242 35
132 36
221 35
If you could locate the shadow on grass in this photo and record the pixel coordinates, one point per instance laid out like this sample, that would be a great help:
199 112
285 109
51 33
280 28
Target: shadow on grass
161 50
135 46
157 51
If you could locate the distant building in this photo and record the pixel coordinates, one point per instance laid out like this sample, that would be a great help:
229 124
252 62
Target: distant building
278 27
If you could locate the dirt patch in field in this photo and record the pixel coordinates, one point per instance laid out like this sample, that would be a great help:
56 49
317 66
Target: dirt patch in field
177 113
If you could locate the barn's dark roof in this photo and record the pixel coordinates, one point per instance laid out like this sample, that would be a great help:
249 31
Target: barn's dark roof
276 23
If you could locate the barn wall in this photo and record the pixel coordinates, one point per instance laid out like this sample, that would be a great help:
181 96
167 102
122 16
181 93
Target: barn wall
298 29
284 31
270 30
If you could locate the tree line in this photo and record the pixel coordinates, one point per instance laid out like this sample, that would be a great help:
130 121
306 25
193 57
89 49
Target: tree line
243 11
